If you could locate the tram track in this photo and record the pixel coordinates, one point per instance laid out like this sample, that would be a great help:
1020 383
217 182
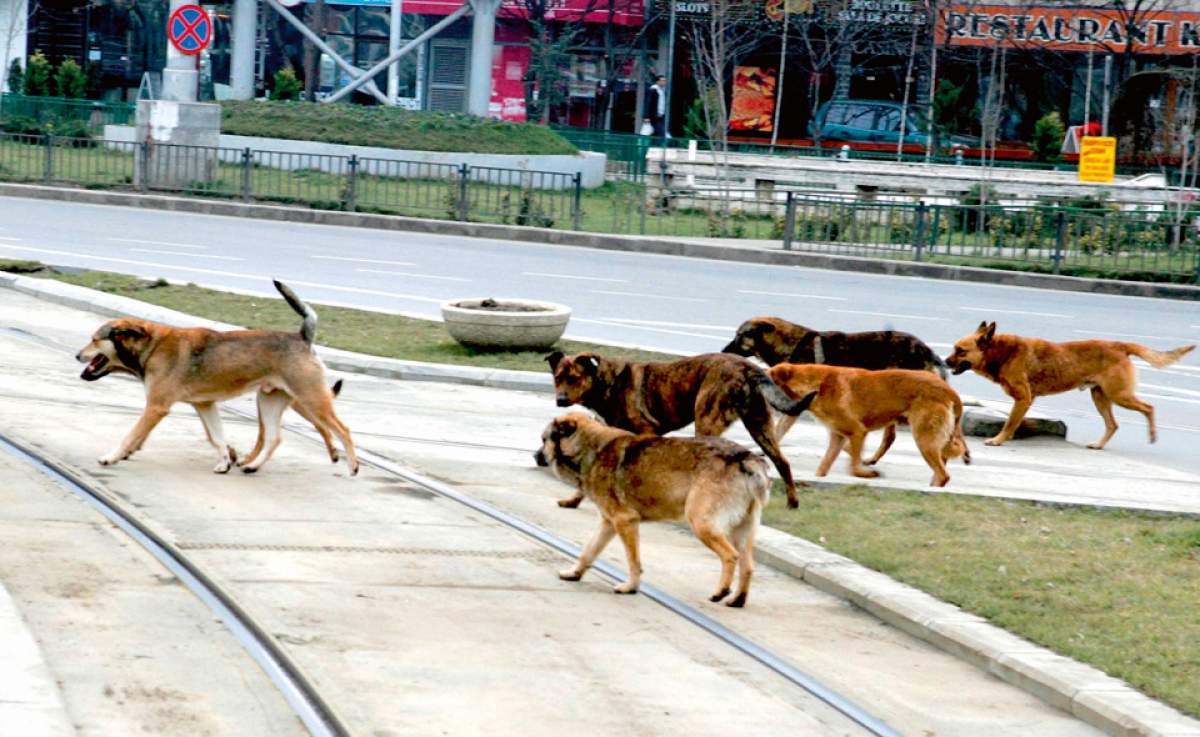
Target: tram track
320 717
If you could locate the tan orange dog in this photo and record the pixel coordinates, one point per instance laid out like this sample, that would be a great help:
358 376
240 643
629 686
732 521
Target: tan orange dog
717 485
202 367
852 402
1027 368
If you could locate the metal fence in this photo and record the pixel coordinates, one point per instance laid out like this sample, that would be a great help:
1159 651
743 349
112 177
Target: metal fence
1153 241
33 114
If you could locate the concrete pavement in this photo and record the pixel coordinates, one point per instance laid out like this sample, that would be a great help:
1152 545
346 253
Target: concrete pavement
479 439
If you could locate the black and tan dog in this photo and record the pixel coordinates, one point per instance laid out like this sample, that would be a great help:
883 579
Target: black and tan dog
1027 368
713 390
776 341
202 367
718 486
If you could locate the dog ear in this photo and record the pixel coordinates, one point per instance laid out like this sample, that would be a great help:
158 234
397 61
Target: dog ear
589 363
989 332
562 429
554 359
982 326
130 332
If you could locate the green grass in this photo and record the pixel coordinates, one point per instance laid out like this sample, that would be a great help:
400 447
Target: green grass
361 125
373 333
1117 590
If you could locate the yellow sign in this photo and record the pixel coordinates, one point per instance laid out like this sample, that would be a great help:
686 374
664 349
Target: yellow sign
1097 159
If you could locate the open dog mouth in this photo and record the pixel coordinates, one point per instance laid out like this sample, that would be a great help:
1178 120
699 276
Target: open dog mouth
95 368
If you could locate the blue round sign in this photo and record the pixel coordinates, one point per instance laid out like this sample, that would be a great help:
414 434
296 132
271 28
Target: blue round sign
189 29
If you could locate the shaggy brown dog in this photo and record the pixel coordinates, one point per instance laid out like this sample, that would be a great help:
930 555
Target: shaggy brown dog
852 402
712 390
1027 368
202 367
718 486
775 341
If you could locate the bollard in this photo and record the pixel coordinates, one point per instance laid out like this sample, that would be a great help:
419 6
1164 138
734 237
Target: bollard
844 154
958 156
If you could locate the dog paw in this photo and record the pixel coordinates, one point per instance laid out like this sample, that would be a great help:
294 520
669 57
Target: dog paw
1096 446
249 469
570 575
995 441
108 460
738 601
866 474
793 503
719 595
223 467
571 503
354 470
625 588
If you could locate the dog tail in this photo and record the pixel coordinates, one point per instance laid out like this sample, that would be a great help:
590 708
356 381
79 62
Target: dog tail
937 363
308 328
1157 359
778 399
956 445
336 388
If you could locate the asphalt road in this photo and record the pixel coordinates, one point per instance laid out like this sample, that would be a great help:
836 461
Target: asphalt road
663 302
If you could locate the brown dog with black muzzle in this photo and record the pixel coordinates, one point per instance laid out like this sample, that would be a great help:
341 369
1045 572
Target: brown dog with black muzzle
1027 368
202 367
713 390
718 486
852 402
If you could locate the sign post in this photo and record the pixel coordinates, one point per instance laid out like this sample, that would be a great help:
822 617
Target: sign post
1097 159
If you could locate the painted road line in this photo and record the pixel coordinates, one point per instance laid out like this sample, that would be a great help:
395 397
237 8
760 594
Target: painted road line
1135 335
385 262
413 276
10 238
187 255
648 296
569 276
230 274
159 243
627 321
1185 392
888 314
792 294
646 328
990 310
1167 398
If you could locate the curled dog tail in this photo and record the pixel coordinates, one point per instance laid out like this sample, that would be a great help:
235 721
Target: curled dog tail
956 445
1157 359
777 398
757 477
308 328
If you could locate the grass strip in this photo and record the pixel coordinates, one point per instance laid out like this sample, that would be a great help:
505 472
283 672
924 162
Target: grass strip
1114 589
361 331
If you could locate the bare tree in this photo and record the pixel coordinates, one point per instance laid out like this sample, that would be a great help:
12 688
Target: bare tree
731 29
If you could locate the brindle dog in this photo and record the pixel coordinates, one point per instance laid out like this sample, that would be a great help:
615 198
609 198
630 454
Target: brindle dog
776 341
712 390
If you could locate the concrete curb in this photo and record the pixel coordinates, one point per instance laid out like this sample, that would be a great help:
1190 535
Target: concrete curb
604 241
1104 702
1100 700
32 703
978 421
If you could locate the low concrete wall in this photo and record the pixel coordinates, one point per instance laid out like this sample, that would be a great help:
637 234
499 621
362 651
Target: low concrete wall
552 171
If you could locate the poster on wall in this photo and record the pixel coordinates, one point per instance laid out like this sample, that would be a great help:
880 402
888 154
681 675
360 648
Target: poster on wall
753 99
508 83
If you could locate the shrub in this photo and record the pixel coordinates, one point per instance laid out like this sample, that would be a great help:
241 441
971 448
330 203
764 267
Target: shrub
16 77
37 76
1048 135
286 86
21 124
70 81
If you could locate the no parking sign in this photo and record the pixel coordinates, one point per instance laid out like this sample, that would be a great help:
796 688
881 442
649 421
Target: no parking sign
189 29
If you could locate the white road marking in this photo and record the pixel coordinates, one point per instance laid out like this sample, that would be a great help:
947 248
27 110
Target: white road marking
366 260
1186 392
214 272
1017 312
10 238
1167 398
793 294
569 276
648 296
188 255
888 314
627 321
1134 335
159 243
413 276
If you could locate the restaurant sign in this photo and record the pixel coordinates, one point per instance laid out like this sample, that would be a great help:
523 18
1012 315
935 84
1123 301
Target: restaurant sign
1070 29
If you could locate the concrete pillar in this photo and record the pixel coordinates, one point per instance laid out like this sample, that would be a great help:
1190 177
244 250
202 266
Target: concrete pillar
179 77
245 30
483 35
13 32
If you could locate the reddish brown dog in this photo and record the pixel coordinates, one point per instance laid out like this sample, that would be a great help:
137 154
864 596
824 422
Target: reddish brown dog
713 390
852 402
202 367
1027 368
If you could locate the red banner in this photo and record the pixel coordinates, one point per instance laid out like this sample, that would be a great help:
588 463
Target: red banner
1071 29
753 99
509 64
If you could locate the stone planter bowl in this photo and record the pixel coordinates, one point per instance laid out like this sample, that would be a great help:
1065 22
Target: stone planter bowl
503 323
